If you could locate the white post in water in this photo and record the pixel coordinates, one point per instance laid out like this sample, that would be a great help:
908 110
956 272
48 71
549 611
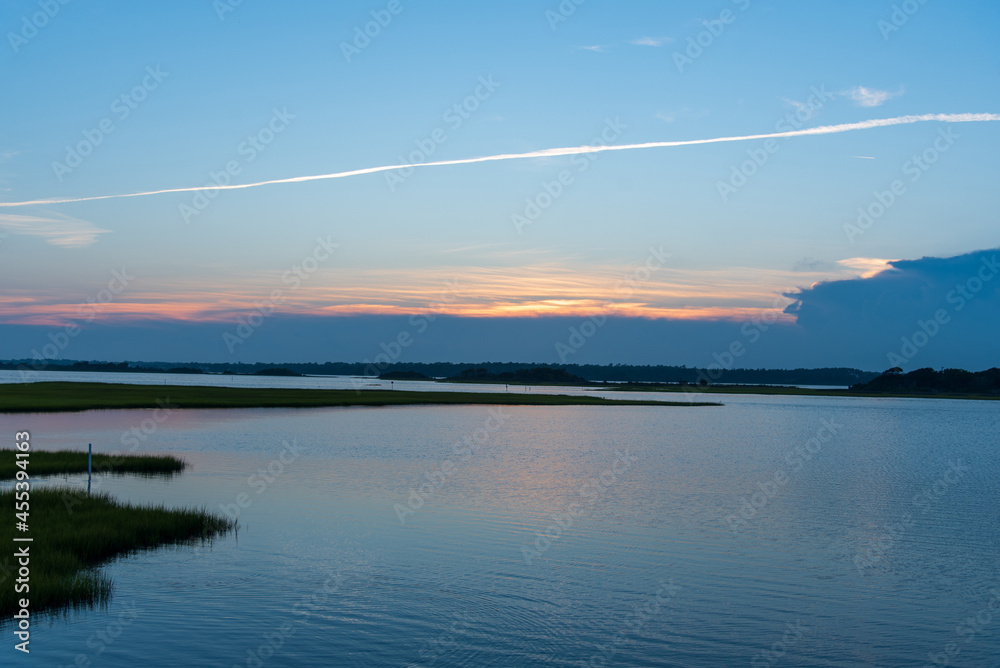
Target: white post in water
90 455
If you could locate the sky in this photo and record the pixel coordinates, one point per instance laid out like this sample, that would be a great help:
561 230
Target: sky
826 249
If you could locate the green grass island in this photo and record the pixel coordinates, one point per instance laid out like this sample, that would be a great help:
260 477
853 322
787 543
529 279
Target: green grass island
69 397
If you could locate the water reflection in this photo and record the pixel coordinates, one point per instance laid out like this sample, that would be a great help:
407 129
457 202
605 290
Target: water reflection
450 585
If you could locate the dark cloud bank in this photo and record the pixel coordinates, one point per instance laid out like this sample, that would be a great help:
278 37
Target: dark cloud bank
930 312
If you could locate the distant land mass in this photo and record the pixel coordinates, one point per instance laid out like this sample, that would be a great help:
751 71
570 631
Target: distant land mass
931 382
922 383
839 376
534 375
404 375
281 371
104 367
945 383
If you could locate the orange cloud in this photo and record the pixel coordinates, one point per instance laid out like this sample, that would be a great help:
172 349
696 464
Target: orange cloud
533 291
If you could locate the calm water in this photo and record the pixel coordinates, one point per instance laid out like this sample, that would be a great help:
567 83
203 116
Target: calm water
871 548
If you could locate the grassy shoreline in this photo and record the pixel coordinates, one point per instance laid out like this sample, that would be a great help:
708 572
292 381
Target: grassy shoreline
74 534
71 397
71 461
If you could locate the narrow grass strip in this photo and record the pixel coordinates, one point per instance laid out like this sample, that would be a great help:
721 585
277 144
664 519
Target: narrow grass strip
48 397
70 461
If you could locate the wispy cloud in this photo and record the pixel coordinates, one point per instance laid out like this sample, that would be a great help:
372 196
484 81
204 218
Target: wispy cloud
804 110
548 153
599 48
652 41
860 95
548 286
871 97
61 231
863 157
868 266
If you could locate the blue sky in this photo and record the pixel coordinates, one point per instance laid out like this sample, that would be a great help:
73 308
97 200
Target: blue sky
279 72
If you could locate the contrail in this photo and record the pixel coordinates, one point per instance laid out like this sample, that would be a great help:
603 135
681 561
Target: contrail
548 153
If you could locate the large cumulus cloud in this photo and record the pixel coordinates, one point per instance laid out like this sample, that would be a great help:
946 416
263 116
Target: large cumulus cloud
918 313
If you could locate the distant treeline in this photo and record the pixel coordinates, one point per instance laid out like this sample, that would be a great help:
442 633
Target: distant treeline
592 372
928 381
534 375
105 367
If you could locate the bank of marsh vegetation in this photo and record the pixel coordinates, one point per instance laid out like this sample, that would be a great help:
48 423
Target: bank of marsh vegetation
63 462
49 397
73 534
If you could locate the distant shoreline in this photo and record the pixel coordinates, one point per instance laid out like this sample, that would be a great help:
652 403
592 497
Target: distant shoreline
590 372
72 397
797 391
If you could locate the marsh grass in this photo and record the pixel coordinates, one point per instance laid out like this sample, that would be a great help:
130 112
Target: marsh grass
47 397
43 463
74 534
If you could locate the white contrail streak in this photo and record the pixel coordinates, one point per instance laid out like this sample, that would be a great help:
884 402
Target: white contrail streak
549 153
